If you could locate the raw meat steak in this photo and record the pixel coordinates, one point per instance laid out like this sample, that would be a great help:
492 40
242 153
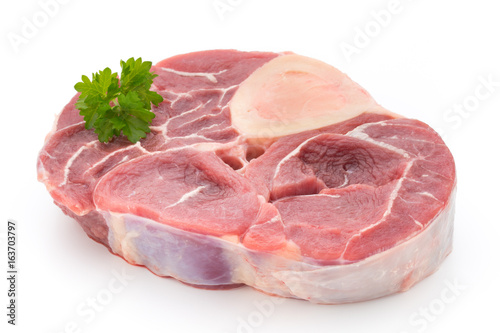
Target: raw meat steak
272 170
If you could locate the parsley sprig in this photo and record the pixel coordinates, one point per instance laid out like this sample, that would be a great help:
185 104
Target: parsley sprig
113 106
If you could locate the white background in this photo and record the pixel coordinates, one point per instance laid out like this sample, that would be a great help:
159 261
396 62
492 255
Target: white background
425 61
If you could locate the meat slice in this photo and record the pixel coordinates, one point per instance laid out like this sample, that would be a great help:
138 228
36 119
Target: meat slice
270 170
73 160
330 161
187 189
373 180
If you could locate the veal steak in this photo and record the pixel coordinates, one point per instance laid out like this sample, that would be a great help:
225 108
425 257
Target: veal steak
272 170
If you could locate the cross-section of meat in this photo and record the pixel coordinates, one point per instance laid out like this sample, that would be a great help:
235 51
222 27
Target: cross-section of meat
272 170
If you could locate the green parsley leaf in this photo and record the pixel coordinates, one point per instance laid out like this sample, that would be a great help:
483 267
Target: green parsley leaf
113 106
